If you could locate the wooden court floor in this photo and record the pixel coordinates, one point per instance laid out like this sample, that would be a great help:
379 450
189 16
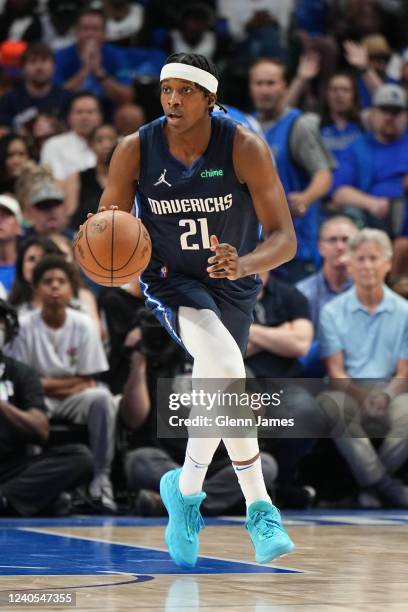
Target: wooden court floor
354 561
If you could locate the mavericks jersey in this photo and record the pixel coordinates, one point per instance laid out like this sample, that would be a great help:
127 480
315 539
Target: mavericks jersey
182 206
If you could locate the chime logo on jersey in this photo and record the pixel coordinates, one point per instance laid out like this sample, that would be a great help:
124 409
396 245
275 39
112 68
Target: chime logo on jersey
212 173
188 205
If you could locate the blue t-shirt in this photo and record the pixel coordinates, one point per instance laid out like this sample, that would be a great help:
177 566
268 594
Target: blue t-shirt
371 343
389 166
68 63
337 140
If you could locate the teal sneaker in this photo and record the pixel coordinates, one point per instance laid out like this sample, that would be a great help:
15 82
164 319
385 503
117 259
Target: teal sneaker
185 520
267 533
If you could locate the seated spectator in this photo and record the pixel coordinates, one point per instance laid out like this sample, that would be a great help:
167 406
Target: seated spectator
31 484
84 189
70 152
83 300
363 336
14 154
43 201
22 296
41 129
372 170
20 21
282 333
10 228
124 20
36 93
64 347
333 277
58 23
128 118
149 457
94 65
340 121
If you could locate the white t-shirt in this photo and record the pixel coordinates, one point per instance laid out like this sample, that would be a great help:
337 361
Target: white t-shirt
66 154
75 349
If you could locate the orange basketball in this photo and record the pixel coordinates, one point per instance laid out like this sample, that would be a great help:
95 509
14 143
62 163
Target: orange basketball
112 248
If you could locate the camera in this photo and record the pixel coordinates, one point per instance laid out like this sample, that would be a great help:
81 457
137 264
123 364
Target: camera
156 344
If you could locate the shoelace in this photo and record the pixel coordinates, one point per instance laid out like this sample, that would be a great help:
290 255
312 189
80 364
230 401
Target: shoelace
264 523
194 522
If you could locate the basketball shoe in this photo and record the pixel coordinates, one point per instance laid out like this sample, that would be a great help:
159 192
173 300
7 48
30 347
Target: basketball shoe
185 520
267 533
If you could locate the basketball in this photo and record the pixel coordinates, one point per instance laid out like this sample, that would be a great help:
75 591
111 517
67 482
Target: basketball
112 247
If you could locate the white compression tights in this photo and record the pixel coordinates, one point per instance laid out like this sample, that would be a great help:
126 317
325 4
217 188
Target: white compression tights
216 356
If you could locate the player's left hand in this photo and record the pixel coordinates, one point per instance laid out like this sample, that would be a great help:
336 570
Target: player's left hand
225 262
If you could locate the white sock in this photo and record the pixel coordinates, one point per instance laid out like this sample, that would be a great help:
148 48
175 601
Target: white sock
199 453
252 482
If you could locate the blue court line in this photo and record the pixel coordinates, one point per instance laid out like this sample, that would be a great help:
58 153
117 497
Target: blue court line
29 553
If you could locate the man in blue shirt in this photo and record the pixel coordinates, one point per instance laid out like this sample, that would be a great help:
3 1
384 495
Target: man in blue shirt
303 164
93 65
363 337
371 172
333 277
10 228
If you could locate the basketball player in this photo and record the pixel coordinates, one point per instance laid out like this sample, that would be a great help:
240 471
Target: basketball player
203 186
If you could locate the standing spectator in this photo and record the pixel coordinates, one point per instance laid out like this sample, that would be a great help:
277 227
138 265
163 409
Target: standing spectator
363 337
371 173
94 65
36 93
64 347
10 228
301 158
31 484
70 152
340 124
14 154
333 277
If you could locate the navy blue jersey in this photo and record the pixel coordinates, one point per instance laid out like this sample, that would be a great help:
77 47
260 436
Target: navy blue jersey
183 206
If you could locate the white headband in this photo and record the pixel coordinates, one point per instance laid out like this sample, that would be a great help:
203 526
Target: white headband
189 73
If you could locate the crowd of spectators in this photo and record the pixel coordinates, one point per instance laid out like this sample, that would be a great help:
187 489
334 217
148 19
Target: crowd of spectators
325 83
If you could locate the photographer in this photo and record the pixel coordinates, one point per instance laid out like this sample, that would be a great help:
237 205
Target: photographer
154 356
31 484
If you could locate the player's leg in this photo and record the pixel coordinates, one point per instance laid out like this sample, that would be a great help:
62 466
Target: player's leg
217 356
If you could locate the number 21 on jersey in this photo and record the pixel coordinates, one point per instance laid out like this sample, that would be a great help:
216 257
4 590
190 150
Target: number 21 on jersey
203 240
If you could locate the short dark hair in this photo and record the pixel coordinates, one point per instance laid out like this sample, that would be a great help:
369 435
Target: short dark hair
55 262
37 49
83 94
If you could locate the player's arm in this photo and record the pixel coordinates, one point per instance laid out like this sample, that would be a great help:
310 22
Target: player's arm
123 174
253 166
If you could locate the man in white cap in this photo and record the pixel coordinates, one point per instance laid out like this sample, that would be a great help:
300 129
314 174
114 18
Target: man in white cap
371 174
10 228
